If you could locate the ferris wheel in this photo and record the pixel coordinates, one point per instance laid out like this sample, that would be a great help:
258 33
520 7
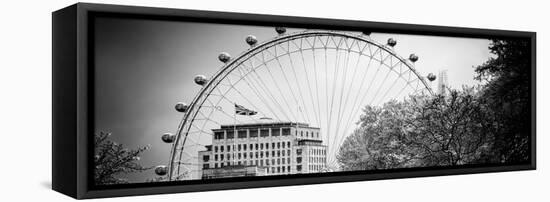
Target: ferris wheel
322 78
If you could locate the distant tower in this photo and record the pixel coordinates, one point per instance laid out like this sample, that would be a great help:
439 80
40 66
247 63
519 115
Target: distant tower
443 82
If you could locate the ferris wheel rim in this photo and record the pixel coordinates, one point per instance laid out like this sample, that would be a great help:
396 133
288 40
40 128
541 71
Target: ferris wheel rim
234 63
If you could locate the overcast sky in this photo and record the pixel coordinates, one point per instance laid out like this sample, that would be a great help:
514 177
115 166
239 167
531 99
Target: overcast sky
144 67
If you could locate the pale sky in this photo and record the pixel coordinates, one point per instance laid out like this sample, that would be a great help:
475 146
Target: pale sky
144 67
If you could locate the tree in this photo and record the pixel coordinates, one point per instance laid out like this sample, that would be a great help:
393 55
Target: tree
450 130
485 125
376 143
420 131
112 160
507 94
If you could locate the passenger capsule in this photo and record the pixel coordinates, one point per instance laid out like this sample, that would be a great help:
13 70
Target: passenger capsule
161 170
224 57
182 107
413 57
168 137
280 30
201 80
367 33
251 40
392 42
431 77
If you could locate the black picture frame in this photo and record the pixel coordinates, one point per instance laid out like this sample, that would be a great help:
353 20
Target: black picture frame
72 70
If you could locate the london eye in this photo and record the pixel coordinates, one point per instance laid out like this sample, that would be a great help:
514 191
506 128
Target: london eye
322 78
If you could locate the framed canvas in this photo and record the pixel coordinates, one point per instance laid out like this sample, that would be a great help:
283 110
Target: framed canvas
157 100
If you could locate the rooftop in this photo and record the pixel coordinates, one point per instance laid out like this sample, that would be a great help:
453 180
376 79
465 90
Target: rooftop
266 125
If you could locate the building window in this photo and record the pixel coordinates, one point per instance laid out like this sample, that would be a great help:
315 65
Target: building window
239 155
278 161
266 145
215 148
221 148
278 153
302 133
286 131
228 148
221 157
206 166
264 133
216 157
273 145
299 168
253 133
241 134
273 153
239 147
218 135
283 160
206 158
256 155
228 157
261 146
216 165
278 169
278 145
298 151
284 169
256 146
230 134
275 132
244 155
266 154
244 147
298 159
307 133
288 144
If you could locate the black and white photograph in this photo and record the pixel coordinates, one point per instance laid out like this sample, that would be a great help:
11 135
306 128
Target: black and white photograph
192 101
274 101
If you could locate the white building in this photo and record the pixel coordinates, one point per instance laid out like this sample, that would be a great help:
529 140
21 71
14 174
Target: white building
276 148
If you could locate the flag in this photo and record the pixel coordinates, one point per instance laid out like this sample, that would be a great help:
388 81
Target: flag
240 110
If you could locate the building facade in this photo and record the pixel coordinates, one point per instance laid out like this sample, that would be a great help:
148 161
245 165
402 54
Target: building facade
275 148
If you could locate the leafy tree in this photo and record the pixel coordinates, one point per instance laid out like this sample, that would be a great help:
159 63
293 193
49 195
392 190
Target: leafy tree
376 143
420 131
112 160
507 94
484 125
